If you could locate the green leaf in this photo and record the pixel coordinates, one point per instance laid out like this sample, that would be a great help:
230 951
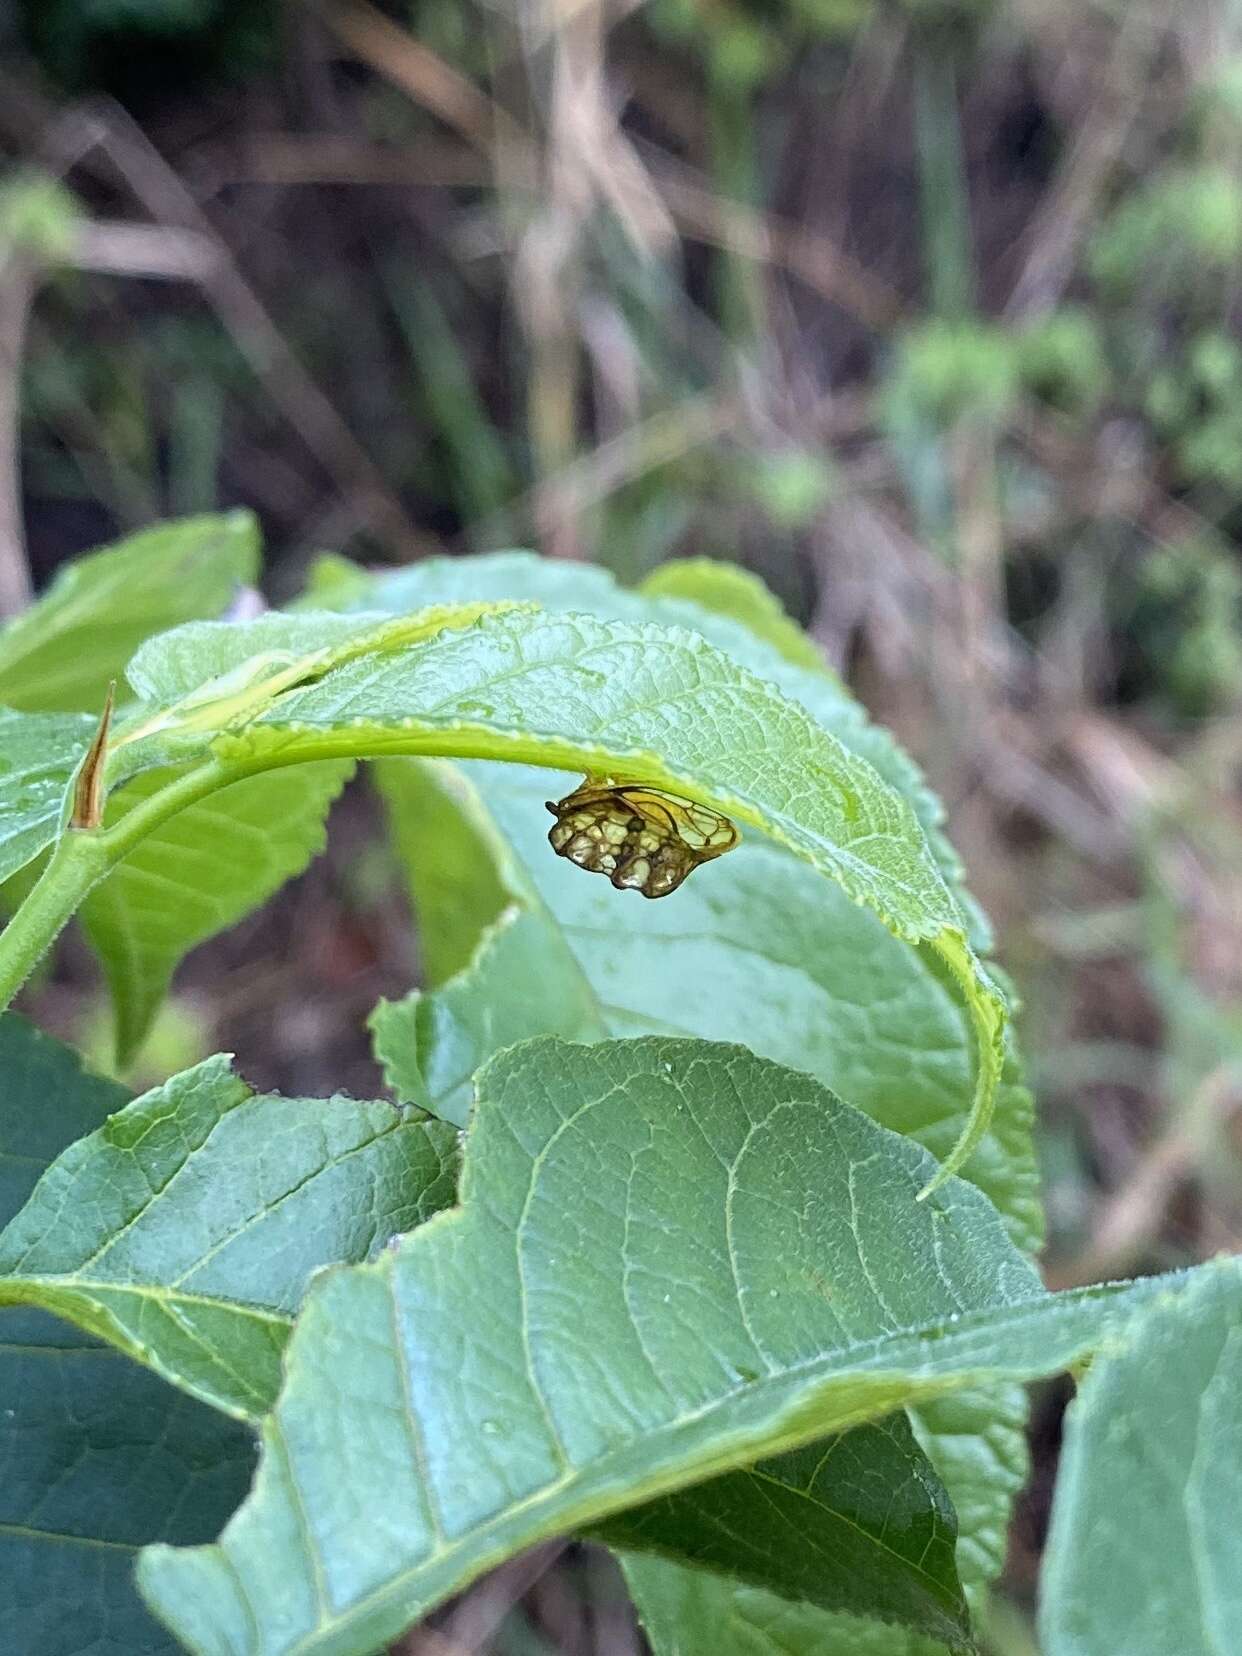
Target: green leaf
199 872
767 953
975 1440
1144 1555
661 706
102 1458
684 1611
47 1100
448 850
39 753
185 1228
859 1524
188 660
561 587
207 674
763 952
642 1288
431 1044
97 1456
727 589
62 653
758 949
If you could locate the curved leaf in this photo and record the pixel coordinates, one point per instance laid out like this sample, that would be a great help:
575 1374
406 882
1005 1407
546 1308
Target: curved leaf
642 1289
764 952
727 589
663 706
560 587
761 952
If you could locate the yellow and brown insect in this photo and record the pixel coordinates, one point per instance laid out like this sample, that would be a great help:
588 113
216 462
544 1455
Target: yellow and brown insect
642 838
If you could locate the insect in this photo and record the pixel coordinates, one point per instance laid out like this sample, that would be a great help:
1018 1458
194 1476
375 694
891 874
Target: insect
642 838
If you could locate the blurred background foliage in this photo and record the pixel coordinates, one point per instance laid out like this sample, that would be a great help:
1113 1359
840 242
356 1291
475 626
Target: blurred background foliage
926 311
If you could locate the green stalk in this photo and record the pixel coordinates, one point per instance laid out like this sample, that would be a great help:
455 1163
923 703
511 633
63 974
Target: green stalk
83 856
739 285
944 203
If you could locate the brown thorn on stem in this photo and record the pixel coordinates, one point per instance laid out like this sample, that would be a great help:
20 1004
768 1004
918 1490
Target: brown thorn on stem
88 790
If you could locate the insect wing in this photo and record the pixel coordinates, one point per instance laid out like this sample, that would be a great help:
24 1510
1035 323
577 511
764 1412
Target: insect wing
642 839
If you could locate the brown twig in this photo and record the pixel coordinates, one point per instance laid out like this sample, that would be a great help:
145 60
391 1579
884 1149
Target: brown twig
1130 1220
395 54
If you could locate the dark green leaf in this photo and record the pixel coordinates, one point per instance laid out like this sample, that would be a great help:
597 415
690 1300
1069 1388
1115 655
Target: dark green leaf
97 1457
859 1524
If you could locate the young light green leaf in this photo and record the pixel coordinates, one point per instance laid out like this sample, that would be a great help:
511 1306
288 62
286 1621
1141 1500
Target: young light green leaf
1145 1554
858 1525
39 754
660 706
61 655
728 589
104 1456
642 1289
185 1228
430 1045
207 674
201 871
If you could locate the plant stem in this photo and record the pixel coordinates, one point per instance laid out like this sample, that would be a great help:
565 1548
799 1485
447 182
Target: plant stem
72 870
81 859
738 279
943 197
